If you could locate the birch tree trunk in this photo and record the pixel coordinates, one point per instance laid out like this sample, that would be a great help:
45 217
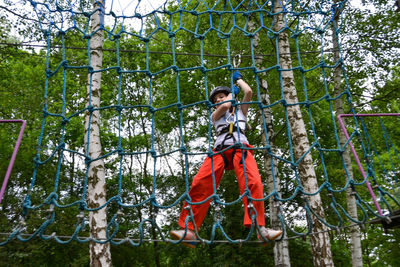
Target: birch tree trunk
100 254
320 242
355 234
281 249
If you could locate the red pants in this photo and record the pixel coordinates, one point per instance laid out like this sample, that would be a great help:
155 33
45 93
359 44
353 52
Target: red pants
202 186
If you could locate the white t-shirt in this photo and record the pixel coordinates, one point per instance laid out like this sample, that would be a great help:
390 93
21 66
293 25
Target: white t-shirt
222 123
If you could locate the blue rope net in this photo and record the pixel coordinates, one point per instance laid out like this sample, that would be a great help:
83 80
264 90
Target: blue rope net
159 66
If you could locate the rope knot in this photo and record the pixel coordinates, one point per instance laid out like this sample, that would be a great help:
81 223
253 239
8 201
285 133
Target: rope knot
48 73
33 3
64 121
90 108
209 104
46 33
45 112
211 154
27 202
268 148
114 37
61 145
82 205
51 198
329 186
317 144
249 34
183 149
144 39
199 36
119 108
293 166
88 160
36 160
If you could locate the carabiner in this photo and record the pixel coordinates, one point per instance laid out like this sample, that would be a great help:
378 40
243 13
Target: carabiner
237 60
230 118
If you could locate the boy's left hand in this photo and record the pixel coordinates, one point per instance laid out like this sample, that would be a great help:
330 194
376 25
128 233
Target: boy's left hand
235 90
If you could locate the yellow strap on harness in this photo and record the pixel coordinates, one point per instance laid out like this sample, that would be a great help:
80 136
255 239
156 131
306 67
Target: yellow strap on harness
231 128
231 121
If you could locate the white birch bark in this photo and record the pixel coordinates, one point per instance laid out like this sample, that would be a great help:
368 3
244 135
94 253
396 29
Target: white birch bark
355 234
281 249
100 254
320 242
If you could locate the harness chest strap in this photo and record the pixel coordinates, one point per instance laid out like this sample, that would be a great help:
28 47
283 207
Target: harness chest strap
229 128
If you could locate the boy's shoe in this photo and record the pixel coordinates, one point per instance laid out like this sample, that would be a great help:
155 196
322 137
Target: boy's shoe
190 235
269 234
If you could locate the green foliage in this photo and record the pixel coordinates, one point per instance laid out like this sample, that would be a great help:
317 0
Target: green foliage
381 248
41 253
300 253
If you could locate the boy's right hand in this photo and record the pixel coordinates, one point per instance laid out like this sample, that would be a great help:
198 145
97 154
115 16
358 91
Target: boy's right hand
237 75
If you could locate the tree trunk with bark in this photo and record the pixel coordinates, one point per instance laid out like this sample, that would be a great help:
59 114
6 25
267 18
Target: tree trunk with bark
281 248
100 254
320 242
355 234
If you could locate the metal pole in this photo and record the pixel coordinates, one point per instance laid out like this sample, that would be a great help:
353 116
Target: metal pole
341 123
14 154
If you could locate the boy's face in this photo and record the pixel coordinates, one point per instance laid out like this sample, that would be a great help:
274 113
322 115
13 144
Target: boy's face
220 97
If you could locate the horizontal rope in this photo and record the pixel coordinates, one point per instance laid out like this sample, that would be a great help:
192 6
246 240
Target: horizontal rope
214 241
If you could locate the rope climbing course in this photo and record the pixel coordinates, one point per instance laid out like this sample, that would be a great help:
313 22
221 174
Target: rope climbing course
159 65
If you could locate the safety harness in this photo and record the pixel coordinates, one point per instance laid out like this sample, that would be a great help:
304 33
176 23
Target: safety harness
229 128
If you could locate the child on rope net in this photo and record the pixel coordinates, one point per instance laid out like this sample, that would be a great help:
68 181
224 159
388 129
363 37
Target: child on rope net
224 120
